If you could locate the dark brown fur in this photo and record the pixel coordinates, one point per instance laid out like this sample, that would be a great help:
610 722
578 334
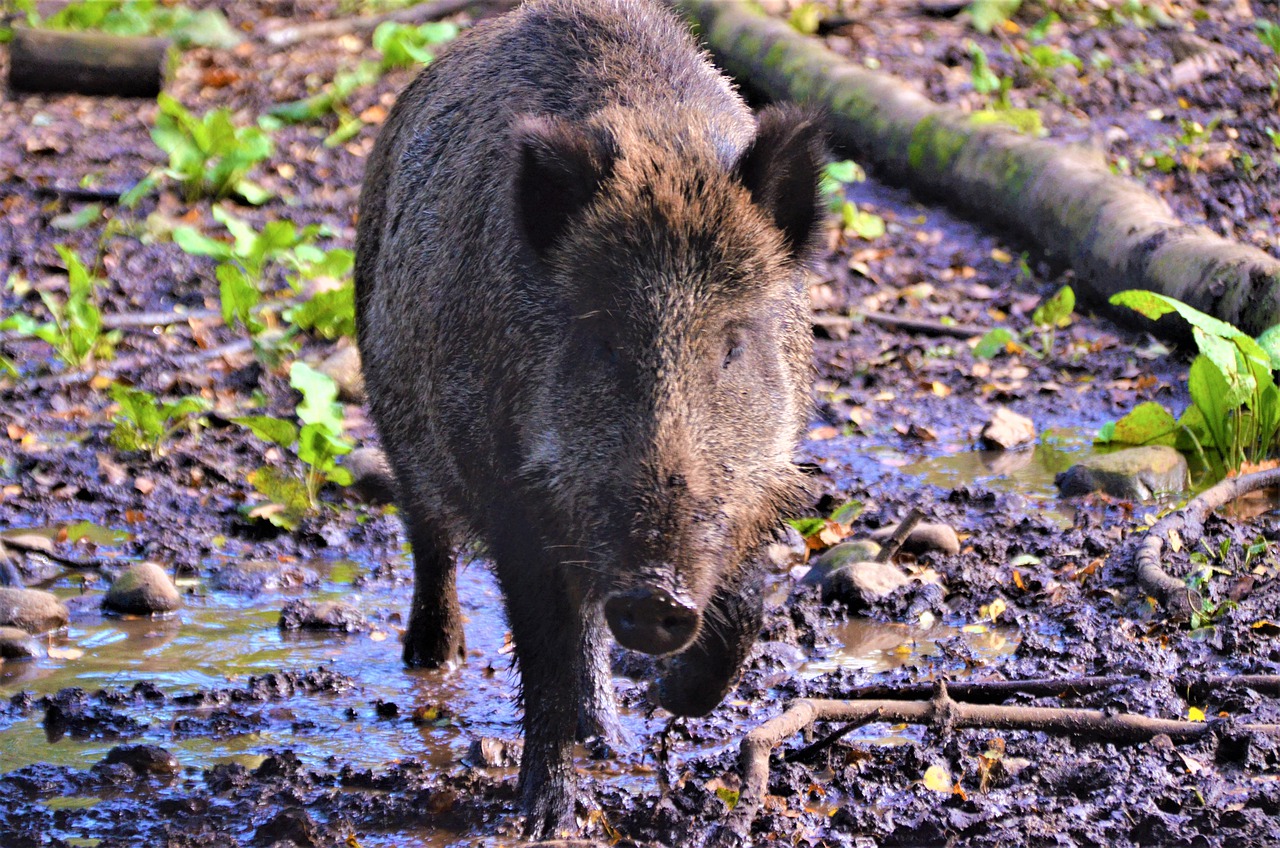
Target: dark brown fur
586 345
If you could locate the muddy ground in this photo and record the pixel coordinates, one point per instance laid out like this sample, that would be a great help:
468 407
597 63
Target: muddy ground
326 740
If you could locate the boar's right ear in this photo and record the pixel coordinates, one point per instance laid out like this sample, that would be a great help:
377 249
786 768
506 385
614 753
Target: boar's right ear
781 169
562 165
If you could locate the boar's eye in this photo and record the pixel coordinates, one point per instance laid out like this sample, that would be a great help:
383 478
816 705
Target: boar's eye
733 352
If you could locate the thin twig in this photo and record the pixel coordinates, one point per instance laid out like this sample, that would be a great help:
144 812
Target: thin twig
288 35
940 710
900 534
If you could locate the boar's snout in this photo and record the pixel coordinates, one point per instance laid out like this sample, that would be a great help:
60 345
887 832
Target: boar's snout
651 620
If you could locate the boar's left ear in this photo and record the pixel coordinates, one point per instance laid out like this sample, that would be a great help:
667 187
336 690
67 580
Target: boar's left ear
561 166
781 170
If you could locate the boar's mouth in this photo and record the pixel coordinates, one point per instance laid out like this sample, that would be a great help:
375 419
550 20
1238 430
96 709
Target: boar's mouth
651 620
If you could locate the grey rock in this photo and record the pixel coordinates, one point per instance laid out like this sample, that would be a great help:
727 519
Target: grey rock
18 644
343 366
924 538
1007 429
143 589
371 475
32 610
858 550
1130 474
863 584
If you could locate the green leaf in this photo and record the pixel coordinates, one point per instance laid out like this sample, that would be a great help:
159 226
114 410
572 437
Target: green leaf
1209 392
847 512
238 297
807 527
319 447
329 313
277 431
1056 311
996 341
197 244
319 397
1269 342
1155 306
287 495
78 220
986 15
1149 423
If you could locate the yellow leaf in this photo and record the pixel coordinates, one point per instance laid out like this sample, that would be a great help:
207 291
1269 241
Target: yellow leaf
974 628
1002 256
940 389
66 653
1195 714
1175 541
378 636
993 610
937 779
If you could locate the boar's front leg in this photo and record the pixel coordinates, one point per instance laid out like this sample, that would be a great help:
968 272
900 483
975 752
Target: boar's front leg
695 681
597 711
434 635
547 625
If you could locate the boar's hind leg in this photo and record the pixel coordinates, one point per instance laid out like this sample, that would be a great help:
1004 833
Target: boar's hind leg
597 713
694 681
547 626
434 636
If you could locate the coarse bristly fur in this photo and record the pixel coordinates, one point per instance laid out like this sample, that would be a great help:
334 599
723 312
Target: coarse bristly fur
586 343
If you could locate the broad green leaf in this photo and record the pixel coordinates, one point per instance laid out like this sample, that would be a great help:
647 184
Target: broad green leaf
1269 342
197 244
287 495
1148 423
238 297
847 512
996 341
986 15
277 431
1210 394
1056 311
319 397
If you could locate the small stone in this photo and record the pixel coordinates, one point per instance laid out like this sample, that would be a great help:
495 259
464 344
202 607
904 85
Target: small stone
925 537
371 475
143 589
788 548
143 759
858 550
343 366
326 615
490 752
1007 429
18 644
32 610
863 584
1131 474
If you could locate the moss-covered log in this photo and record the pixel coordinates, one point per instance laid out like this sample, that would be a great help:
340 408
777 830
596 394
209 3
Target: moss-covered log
1111 231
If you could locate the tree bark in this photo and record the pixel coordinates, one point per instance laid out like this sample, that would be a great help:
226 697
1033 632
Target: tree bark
1114 233
45 61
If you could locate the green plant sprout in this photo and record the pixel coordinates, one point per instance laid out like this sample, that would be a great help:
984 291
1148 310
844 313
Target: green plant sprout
145 423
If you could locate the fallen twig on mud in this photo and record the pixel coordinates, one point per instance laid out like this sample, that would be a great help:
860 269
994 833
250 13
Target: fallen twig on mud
1174 596
925 327
1265 684
46 549
891 544
289 35
945 713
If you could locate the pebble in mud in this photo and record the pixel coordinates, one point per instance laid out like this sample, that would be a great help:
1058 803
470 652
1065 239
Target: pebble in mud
252 576
143 589
1130 474
490 752
1007 430
327 615
924 538
863 584
343 367
32 610
143 759
838 556
370 475
18 644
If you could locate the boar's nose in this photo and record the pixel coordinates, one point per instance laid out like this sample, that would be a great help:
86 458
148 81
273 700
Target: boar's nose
651 620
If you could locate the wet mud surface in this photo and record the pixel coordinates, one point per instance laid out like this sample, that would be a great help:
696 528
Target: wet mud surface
215 728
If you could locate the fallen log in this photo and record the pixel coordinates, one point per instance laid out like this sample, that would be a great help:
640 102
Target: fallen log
46 61
1114 233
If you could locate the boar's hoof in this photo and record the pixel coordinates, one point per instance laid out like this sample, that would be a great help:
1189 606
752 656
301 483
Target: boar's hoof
651 621
433 650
